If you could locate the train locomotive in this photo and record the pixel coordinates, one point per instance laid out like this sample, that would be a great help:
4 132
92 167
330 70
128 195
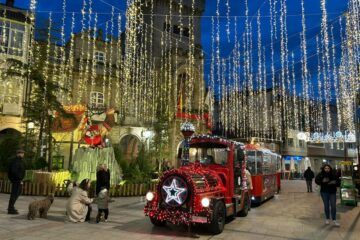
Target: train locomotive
209 186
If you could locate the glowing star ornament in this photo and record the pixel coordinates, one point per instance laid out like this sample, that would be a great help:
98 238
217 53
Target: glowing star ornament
174 193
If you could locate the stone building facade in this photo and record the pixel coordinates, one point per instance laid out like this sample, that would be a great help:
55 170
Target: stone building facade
98 68
15 31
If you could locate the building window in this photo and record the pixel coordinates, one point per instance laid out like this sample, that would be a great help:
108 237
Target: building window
185 32
167 27
12 38
290 142
301 143
99 57
176 29
97 99
340 145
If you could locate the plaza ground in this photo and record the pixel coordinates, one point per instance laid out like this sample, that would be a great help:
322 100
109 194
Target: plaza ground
293 214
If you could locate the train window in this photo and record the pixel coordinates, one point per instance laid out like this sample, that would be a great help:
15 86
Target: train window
278 164
251 162
209 155
259 162
273 163
240 156
267 168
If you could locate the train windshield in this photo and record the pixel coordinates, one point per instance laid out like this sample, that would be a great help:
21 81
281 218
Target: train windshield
209 155
206 153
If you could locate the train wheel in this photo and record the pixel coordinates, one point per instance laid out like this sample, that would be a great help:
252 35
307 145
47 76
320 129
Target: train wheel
218 219
157 222
244 212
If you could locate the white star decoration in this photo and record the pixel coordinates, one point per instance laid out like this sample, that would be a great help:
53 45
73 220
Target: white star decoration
173 192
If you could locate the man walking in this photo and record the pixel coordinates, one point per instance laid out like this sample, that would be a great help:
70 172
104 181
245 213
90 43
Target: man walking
16 174
309 176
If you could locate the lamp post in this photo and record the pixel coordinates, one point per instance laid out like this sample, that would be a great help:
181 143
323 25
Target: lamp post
28 133
187 129
147 134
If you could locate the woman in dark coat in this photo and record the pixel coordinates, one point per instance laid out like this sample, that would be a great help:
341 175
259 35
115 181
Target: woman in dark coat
328 181
102 178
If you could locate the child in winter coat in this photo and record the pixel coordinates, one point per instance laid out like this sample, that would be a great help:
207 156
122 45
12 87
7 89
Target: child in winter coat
103 204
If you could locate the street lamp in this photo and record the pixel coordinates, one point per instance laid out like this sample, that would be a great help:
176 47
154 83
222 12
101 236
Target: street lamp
147 135
187 129
31 125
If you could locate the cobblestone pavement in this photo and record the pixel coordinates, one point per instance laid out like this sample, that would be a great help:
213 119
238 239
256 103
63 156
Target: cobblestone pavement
293 214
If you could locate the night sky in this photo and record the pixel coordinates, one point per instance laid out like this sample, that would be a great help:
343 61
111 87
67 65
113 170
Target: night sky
335 8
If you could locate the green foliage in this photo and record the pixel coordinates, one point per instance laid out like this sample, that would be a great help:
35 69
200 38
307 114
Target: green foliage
74 176
8 147
139 171
160 148
44 95
40 163
118 154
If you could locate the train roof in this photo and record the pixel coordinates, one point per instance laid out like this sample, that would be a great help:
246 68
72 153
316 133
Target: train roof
217 139
253 147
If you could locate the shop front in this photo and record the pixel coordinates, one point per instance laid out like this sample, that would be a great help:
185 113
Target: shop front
294 166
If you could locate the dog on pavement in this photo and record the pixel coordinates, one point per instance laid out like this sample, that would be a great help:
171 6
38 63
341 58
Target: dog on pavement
42 206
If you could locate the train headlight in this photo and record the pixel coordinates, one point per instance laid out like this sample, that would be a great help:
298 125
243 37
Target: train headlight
149 196
205 202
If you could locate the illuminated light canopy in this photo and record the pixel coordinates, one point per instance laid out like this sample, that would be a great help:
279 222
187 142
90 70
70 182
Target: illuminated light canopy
187 127
348 136
175 195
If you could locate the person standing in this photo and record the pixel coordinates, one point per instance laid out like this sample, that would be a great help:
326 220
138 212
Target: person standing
249 185
309 176
16 174
102 201
99 178
107 177
102 178
328 182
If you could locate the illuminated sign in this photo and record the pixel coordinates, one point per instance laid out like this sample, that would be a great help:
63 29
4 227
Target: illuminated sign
176 192
330 137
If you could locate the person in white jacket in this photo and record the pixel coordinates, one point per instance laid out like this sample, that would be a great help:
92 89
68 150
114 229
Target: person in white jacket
249 186
78 207
103 204
248 179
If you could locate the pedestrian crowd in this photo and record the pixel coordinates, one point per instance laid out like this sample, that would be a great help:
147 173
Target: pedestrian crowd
78 206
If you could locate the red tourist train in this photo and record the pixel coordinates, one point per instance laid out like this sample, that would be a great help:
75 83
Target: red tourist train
265 168
207 188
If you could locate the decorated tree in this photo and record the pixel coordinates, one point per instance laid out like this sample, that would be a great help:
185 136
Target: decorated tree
41 108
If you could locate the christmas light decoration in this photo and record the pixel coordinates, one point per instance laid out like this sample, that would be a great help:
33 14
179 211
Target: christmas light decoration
146 79
305 74
174 193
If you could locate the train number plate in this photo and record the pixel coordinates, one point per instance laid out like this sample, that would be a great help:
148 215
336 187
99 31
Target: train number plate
198 219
